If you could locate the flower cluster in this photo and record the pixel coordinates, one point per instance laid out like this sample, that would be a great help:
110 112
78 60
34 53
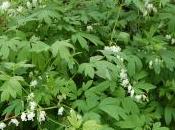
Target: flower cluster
12 121
30 114
130 90
89 28
33 4
41 116
2 125
60 111
170 38
123 75
156 61
5 5
33 83
125 82
114 49
13 10
149 7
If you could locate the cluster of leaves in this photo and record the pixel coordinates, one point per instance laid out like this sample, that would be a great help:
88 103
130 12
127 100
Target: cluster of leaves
62 47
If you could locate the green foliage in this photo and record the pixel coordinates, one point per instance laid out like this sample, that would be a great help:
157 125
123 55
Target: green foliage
89 64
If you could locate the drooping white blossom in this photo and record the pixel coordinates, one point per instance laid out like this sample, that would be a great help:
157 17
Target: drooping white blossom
138 98
79 117
129 88
172 41
30 116
14 121
60 111
30 97
34 3
5 5
168 37
33 83
2 125
24 116
150 64
42 116
89 28
132 93
123 74
125 83
145 13
32 105
19 9
29 5
149 6
114 49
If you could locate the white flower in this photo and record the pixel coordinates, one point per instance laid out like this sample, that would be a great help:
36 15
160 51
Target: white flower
149 7
40 77
114 49
32 105
150 64
19 9
125 82
72 111
30 116
146 2
172 41
14 121
129 88
132 93
12 12
5 5
60 111
154 9
123 74
156 60
168 37
2 125
29 5
79 117
31 74
23 116
89 28
42 116
138 98
144 98
30 97
33 83
145 13
34 3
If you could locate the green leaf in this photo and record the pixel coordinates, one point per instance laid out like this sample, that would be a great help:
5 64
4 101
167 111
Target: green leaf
81 40
16 105
123 36
130 106
144 86
157 126
111 107
91 124
92 38
74 121
39 47
169 114
11 88
132 121
62 48
88 69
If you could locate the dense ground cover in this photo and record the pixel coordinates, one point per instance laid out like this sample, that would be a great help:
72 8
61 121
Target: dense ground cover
87 64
